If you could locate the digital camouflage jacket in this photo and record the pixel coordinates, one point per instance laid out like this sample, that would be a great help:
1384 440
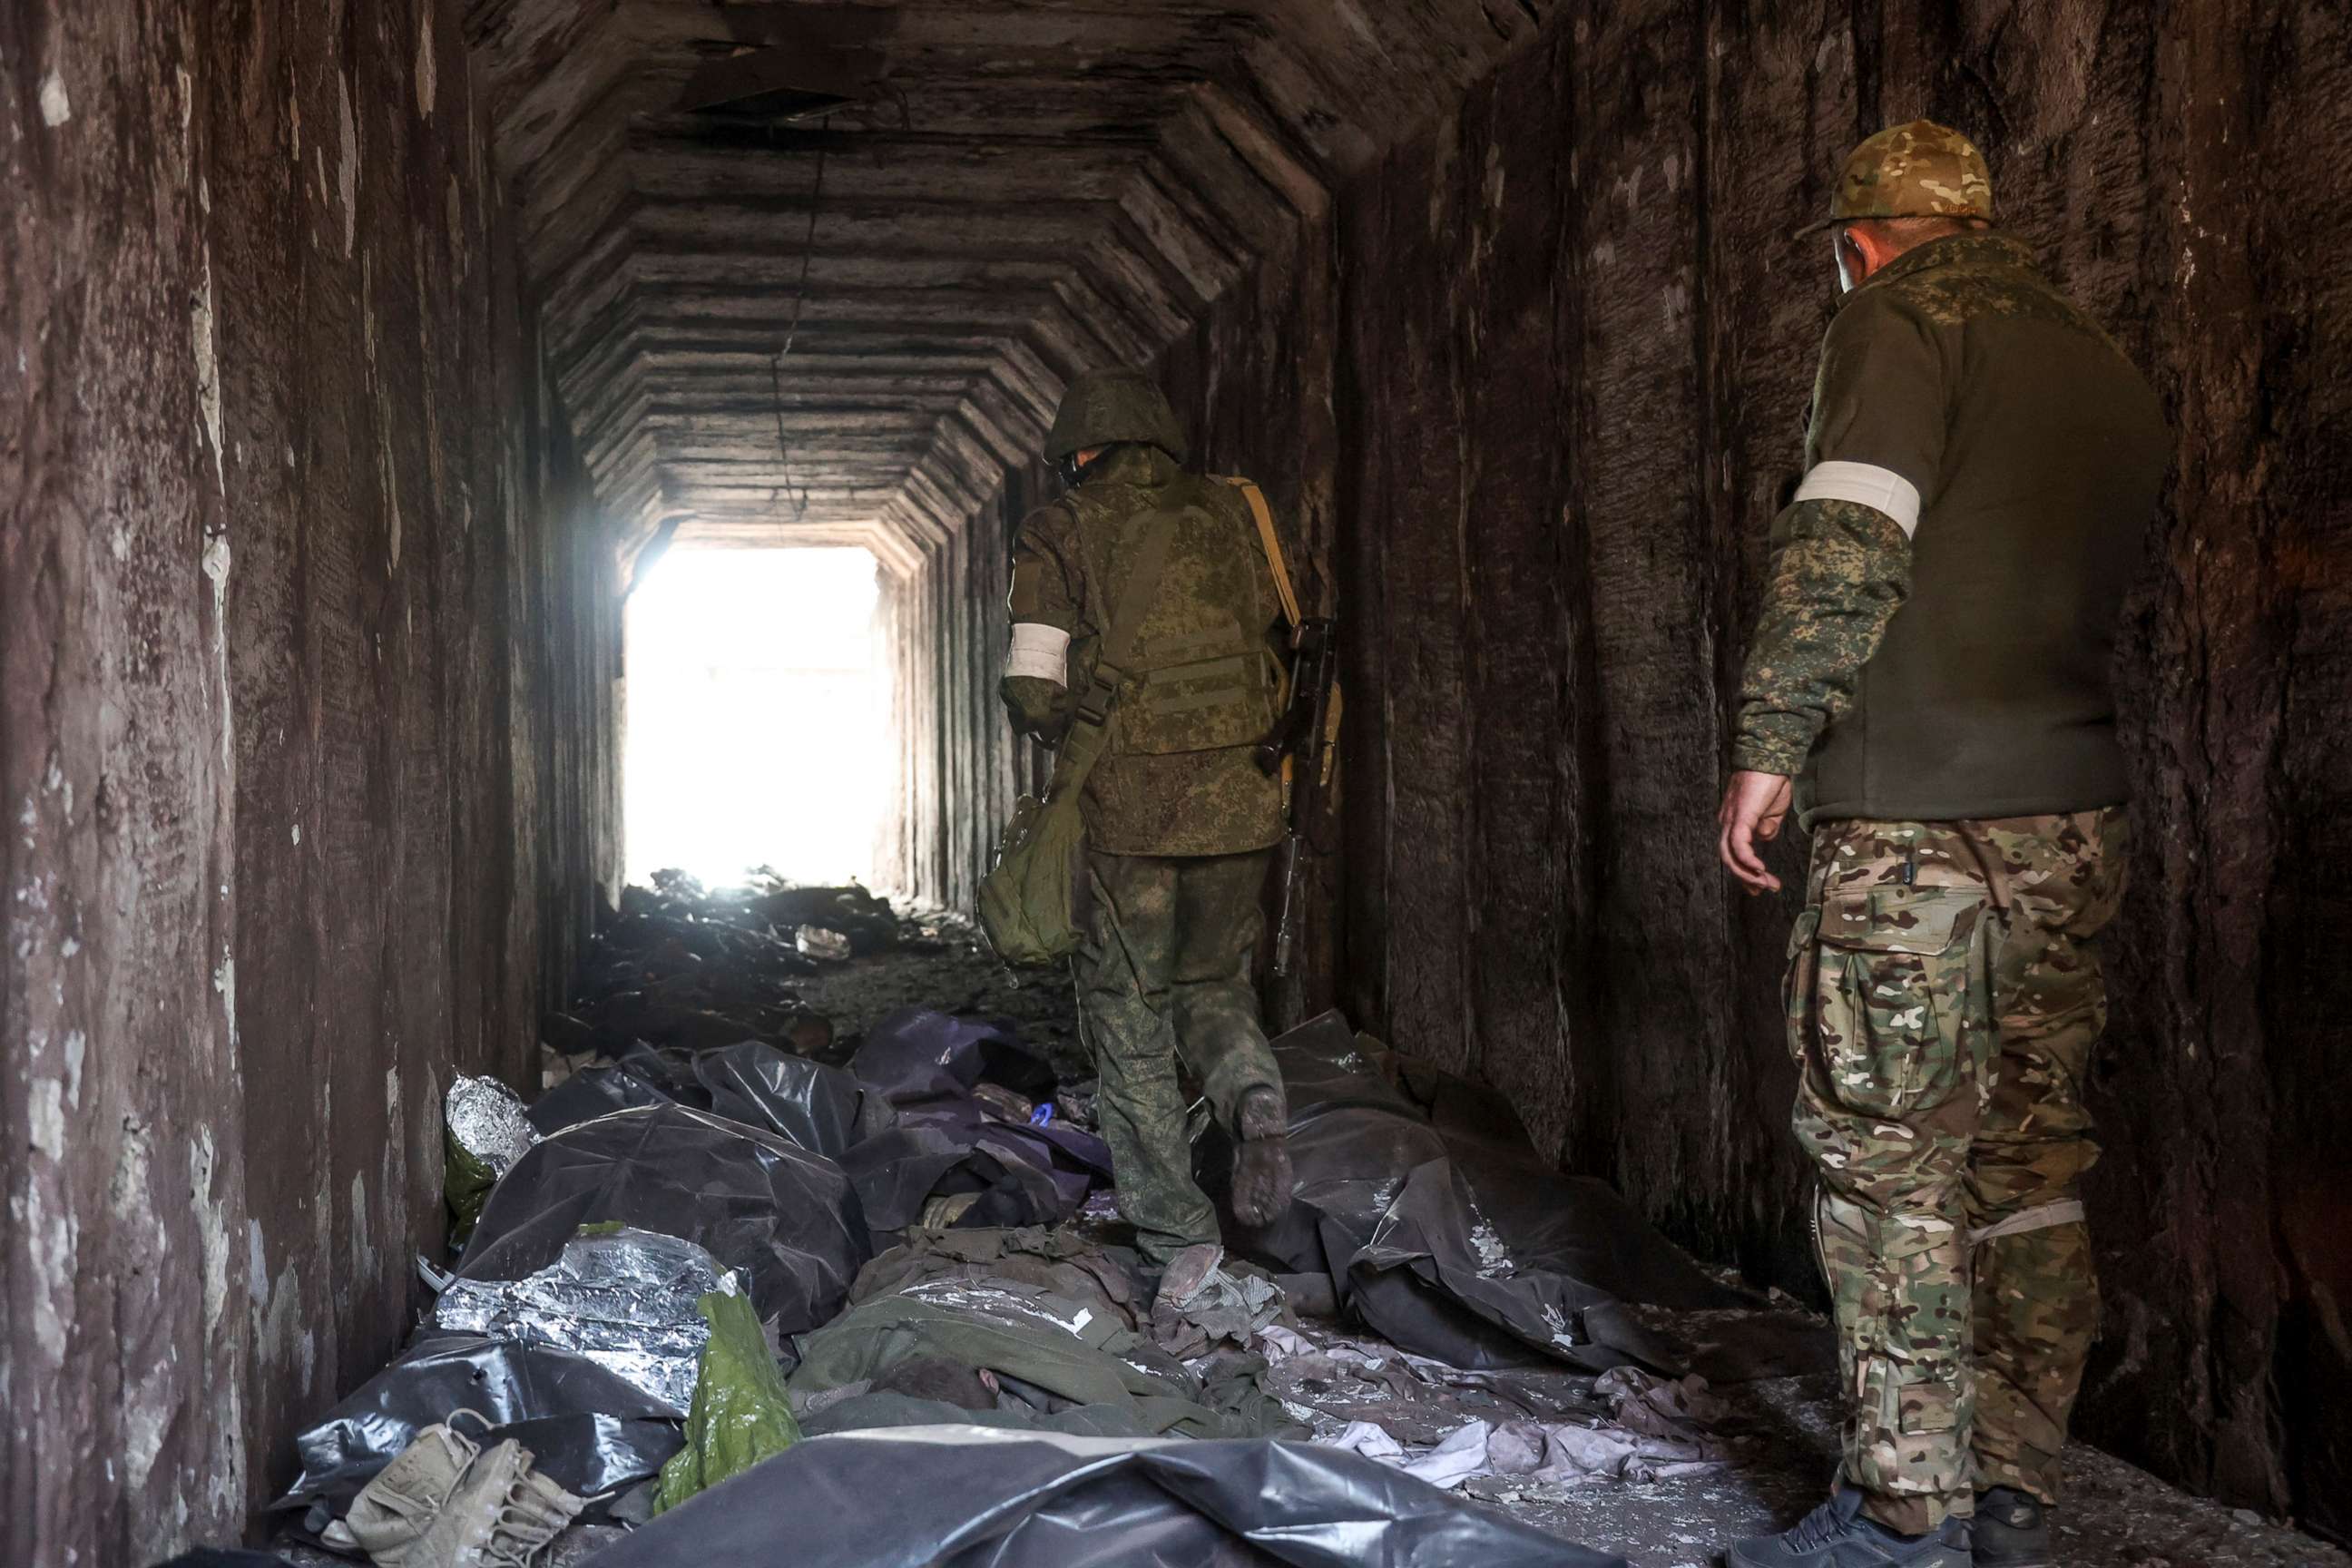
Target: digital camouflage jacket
1178 776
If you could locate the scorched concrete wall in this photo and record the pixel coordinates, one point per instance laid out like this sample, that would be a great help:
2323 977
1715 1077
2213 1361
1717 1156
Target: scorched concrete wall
306 654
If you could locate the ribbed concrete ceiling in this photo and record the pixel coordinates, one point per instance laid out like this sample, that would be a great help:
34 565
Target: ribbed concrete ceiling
1034 187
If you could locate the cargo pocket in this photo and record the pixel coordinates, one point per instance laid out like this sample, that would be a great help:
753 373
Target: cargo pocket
1925 1407
1797 982
1900 996
1907 1437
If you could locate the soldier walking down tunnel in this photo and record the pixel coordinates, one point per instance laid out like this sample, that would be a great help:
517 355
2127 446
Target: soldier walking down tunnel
1145 604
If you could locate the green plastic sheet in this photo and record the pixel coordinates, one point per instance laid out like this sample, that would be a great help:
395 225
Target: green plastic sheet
740 1414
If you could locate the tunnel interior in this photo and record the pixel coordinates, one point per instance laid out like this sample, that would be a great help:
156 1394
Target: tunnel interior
370 367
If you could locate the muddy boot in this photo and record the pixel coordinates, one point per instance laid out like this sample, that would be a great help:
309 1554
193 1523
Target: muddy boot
2012 1529
1188 1273
1838 1535
393 1511
1262 1162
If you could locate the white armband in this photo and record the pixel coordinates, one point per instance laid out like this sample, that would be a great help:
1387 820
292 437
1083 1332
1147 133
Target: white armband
1866 484
1040 651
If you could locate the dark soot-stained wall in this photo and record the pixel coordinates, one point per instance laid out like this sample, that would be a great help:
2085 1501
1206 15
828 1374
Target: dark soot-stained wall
306 653
1535 384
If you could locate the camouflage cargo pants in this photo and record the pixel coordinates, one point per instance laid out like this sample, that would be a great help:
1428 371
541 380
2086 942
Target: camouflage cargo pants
1164 975
1944 995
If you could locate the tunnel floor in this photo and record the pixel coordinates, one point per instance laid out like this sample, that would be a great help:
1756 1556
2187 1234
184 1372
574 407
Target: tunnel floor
1769 1444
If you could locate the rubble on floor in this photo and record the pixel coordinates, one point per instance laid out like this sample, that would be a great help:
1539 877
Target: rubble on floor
717 1286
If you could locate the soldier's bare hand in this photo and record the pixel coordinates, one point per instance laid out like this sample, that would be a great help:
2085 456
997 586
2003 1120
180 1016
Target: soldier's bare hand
1754 806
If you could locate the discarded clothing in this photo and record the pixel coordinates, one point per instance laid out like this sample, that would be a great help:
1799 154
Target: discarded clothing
993 1500
1099 1277
741 1412
1450 1424
446 1502
1558 1454
1056 1353
627 1300
1456 1459
592 1432
784 1218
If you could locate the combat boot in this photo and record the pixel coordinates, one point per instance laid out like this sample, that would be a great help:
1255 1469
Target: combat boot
1838 1535
393 1511
1262 1162
504 1514
2012 1529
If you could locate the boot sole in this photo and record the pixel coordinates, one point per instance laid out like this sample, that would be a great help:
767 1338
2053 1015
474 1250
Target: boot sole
1261 1180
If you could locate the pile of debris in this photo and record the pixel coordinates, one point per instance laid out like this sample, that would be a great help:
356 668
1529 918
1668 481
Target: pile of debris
684 968
732 1247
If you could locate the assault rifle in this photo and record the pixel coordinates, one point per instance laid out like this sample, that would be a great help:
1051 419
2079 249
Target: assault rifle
1302 735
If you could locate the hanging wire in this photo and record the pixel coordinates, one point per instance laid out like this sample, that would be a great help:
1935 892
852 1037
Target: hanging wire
797 491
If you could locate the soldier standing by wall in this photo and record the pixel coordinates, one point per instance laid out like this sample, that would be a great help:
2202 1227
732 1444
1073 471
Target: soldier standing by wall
1984 460
1180 820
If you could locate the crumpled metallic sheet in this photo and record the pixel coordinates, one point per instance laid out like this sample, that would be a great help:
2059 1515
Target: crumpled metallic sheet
488 1120
624 1299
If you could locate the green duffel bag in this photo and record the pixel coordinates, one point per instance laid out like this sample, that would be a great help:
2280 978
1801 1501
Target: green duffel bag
1029 900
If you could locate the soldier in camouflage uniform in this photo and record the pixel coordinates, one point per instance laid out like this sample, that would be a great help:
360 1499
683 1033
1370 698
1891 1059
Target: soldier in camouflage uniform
1931 671
1180 820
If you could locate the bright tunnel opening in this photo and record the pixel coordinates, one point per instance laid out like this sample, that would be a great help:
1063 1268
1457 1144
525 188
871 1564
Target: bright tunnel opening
758 715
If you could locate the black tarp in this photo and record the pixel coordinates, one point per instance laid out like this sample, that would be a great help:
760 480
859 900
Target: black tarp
787 1219
1420 1195
917 1054
905 1124
817 1107
589 1430
948 1142
995 1500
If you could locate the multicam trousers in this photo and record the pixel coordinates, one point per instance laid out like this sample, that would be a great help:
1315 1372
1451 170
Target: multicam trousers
1944 994
1164 974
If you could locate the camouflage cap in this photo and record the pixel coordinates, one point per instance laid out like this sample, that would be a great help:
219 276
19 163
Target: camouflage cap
1107 405
1920 170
